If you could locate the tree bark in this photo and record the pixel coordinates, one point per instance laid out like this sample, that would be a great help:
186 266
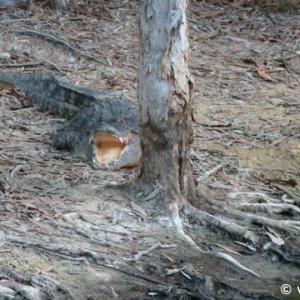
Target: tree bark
61 5
165 99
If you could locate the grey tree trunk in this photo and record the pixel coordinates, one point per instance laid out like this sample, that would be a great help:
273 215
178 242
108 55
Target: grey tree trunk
62 5
165 99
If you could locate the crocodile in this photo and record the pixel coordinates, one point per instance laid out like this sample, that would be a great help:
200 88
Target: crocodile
102 127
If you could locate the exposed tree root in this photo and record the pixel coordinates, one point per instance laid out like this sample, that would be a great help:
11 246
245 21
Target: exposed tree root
287 225
156 246
269 207
233 229
253 200
284 256
179 228
252 196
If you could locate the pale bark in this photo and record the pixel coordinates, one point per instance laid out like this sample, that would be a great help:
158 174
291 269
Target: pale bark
62 5
165 98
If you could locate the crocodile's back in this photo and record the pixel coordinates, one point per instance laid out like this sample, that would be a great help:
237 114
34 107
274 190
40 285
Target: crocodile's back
64 99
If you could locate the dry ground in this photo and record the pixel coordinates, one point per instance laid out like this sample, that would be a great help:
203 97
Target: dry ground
65 235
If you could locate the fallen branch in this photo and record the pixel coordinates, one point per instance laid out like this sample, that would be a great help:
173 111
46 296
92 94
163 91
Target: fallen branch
57 40
156 246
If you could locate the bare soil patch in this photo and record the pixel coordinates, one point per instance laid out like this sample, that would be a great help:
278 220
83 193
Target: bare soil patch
65 235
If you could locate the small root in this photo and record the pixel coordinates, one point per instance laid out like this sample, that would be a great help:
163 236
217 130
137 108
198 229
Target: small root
233 261
278 208
154 247
179 228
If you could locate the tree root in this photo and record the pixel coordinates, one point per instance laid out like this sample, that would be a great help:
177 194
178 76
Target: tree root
284 256
233 229
154 247
286 225
270 207
253 199
179 228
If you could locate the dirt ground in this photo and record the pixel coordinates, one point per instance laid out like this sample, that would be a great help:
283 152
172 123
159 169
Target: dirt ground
65 235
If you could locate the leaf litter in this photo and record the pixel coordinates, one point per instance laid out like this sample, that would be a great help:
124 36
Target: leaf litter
69 237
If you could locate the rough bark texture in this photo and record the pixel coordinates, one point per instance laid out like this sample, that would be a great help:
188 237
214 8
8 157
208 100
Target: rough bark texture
165 98
62 5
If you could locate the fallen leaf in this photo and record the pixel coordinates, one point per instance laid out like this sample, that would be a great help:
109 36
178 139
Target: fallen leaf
262 73
139 211
276 240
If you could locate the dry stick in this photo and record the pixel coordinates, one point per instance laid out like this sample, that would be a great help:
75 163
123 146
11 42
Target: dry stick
209 173
290 51
279 187
33 64
179 227
57 40
83 252
60 225
134 274
156 246
16 20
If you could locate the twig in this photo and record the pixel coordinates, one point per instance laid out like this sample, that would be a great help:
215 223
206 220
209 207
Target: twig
134 274
279 187
156 246
209 173
33 64
57 40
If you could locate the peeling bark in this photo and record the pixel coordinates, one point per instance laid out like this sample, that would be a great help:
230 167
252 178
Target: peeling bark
165 99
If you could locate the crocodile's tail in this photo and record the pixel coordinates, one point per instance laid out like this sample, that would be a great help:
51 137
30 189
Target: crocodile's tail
46 91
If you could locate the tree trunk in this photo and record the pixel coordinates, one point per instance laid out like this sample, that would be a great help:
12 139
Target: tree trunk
61 5
165 99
